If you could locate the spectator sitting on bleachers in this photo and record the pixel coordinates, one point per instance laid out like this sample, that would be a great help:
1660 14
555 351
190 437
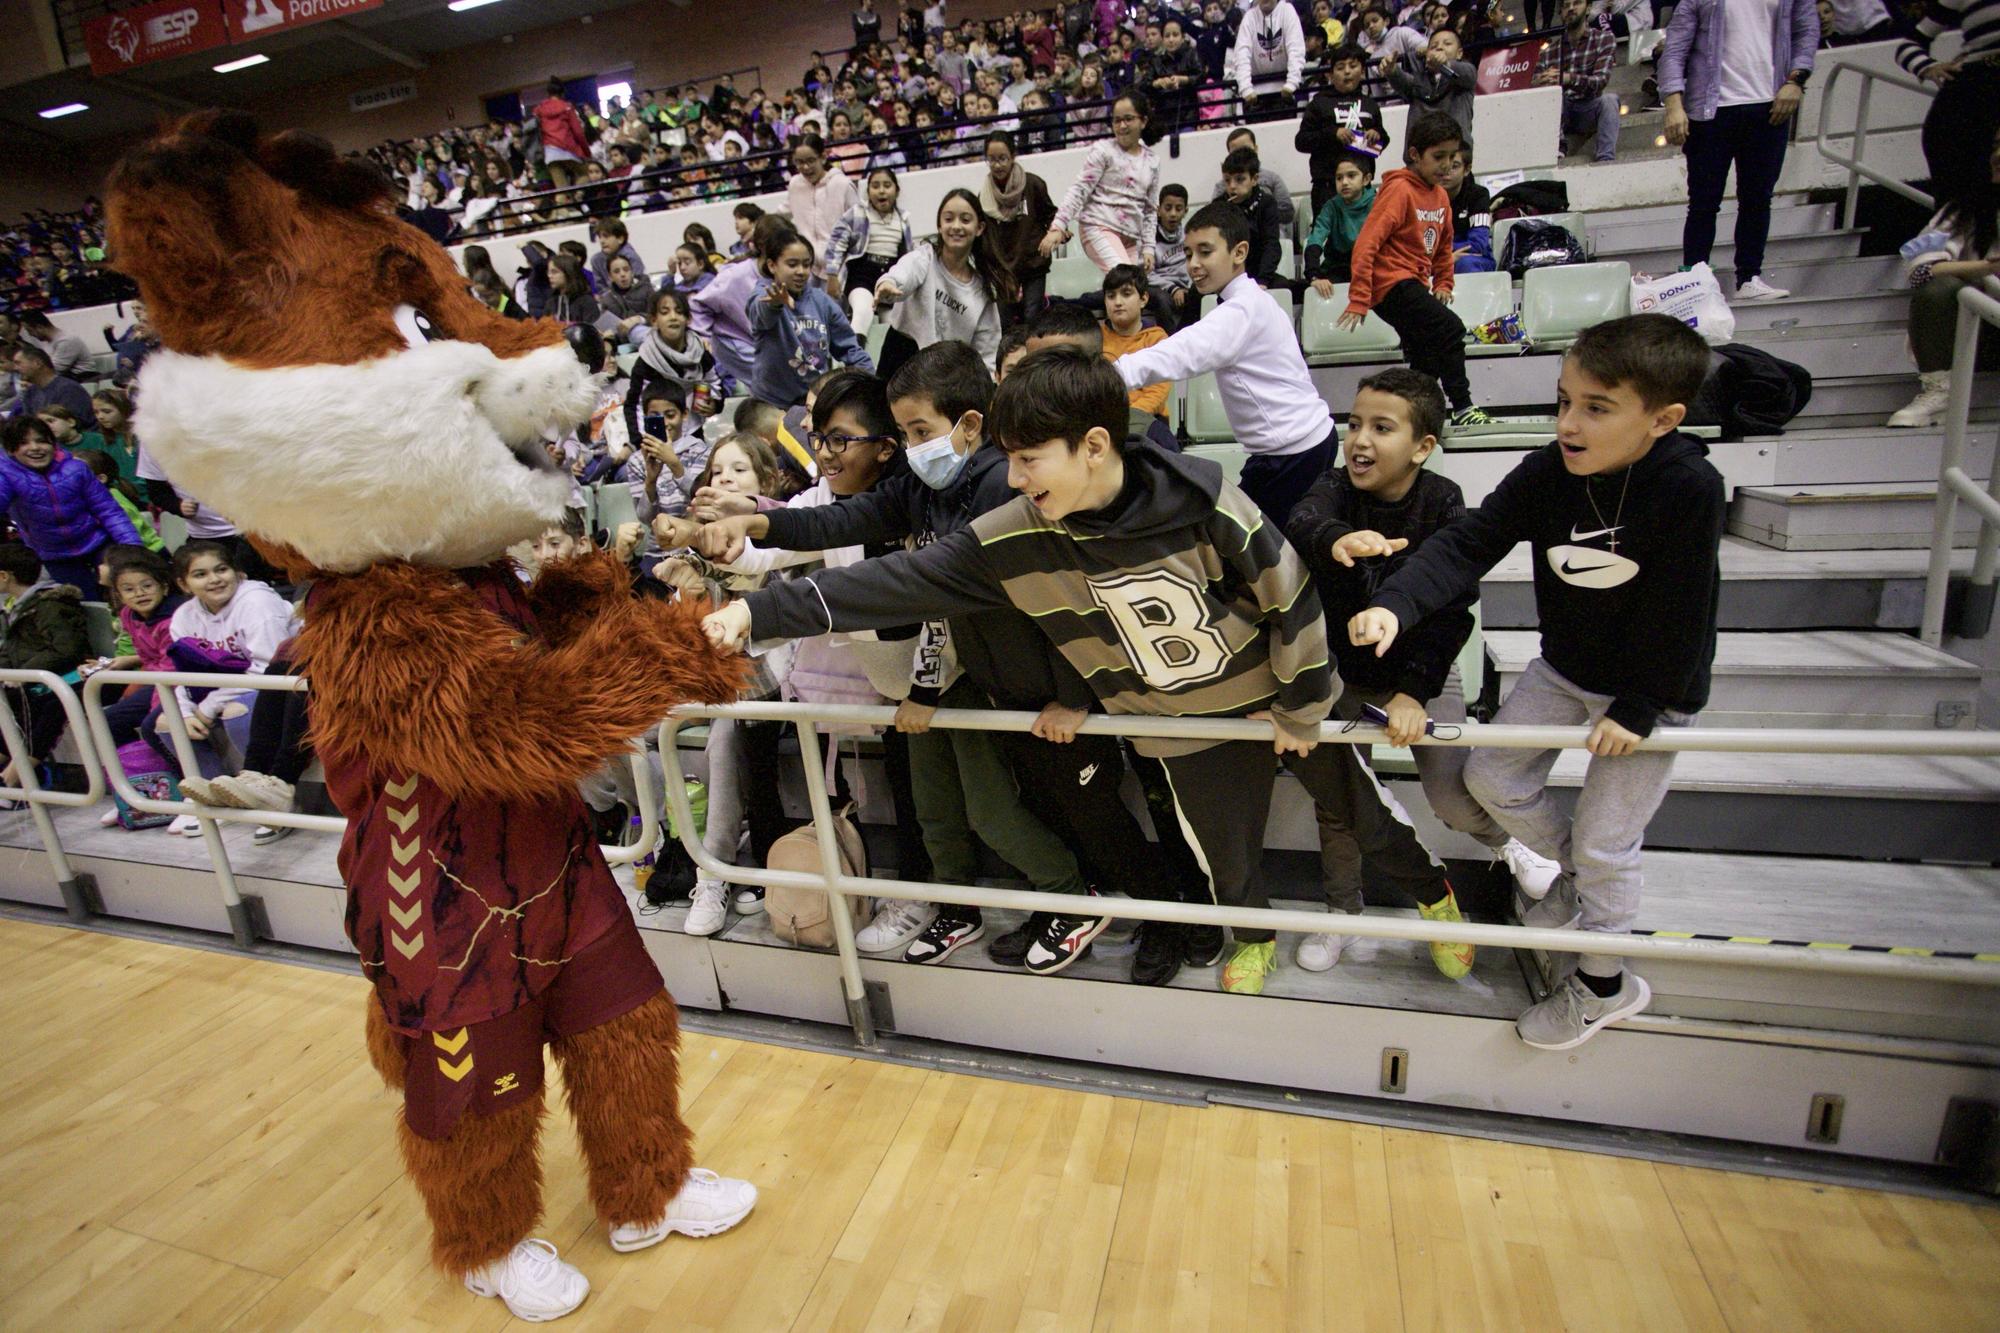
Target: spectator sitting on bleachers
1402 266
624 304
1169 277
1125 330
1338 118
113 411
1240 184
1330 244
132 347
1441 80
570 299
58 505
688 272
126 494
614 241
42 628
1270 181
66 351
1578 60
1957 248
1471 215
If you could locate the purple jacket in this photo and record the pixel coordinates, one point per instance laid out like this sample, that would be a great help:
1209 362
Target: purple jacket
718 312
63 510
1691 61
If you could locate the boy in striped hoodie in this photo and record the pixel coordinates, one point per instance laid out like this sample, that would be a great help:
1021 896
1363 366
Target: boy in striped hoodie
1168 591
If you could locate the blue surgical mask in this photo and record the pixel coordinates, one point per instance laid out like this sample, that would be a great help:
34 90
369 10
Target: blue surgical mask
938 462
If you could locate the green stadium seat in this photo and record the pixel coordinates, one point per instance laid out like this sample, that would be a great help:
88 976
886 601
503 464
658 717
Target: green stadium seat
1560 302
613 506
1206 421
1282 297
1288 258
1074 275
1572 221
1325 343
1478 298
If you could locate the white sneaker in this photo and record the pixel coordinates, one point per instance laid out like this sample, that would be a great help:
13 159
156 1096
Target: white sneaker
1756 289
109 819
1927 408
707 1205
895 925
1532 871
187 826
255 791
1318 953
534 1283
202 790
266 834
710 910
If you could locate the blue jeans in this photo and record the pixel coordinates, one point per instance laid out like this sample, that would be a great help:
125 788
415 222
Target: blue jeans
1743 137
1598 115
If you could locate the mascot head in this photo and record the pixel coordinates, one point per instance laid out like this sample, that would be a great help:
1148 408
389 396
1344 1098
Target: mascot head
326 380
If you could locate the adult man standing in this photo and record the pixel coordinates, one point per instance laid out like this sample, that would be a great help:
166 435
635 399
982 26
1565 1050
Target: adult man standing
1733 72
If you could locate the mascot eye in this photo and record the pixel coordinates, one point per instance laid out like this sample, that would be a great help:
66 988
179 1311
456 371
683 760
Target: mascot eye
415 326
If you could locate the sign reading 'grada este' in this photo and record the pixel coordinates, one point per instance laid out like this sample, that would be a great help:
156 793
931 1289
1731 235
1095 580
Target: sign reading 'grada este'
146 33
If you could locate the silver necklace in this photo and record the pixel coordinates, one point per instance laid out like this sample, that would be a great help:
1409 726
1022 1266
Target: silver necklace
1617 518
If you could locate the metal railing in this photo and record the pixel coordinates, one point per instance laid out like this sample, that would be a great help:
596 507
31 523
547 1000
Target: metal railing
29 787
1857 170
835 883
1977 305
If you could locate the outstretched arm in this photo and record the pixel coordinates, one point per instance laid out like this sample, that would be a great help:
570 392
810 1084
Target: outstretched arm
408 669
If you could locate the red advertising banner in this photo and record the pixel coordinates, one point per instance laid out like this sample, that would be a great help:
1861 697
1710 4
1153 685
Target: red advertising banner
1510 68
256 18
160 31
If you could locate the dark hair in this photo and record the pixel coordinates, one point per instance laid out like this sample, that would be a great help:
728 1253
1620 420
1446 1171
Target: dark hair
1068 319
570 525
1013 337
1241 162
36 353
1060 393
1240 132
1140 103
1345 52
810 140
1175 189
611 227
1222 217
696 231
37 319
753 411
1005 138
950 375
668 296
106 468
1465 151
747 211
775 246
987 258
1662 359
1365 161
555 86
23 564
1120 276
670 391
1427 131
858 392
16 432
121 402
574 283
1418 390
124 559
192 551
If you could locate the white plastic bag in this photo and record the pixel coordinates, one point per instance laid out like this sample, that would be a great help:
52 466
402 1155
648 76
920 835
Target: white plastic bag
1694 298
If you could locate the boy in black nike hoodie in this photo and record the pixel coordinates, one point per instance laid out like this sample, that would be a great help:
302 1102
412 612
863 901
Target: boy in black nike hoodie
1168 591
940 398
1624 514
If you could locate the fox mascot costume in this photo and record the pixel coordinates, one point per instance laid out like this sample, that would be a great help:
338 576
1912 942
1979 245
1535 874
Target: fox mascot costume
328 381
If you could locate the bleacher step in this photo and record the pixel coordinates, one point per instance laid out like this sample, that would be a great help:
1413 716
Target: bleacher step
1843 516
1837 678
1812 247
1620 230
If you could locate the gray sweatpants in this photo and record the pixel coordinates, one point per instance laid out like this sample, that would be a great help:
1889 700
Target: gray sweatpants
1599 846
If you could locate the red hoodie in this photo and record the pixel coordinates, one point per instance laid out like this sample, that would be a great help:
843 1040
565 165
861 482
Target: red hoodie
1407 235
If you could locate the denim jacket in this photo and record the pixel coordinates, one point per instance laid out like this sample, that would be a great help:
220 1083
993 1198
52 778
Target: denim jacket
1691 62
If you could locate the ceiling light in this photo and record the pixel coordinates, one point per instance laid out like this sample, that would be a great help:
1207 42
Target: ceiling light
231 66
456 5
66 109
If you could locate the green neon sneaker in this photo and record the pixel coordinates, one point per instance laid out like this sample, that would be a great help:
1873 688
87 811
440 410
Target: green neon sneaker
1246 969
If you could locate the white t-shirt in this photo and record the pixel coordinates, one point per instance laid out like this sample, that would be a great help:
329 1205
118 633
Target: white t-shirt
206 524
1749 72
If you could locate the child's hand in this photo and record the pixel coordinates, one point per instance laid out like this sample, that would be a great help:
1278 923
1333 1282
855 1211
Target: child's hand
682 577
1345 135
656 447
1359 545
1282 741
1443 294
729 628
188 508
711 503
1609 740
887 293
627 539
1180 297
1050 240
780 295
723 542
1407 719
674 532
1324 288
914 718
198 727
1349 320
1057 723
1375 626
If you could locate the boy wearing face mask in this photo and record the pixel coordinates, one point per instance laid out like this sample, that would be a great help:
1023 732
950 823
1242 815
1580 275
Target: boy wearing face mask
939 399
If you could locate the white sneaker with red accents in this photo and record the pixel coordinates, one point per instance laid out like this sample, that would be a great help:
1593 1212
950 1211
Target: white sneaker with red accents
535 1285
707 1205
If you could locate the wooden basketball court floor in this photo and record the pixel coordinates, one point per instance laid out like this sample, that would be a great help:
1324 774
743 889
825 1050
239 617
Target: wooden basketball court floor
193 1139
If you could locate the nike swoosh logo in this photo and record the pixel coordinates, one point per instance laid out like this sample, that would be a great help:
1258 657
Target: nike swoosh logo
1083 778
1576 536
1568 568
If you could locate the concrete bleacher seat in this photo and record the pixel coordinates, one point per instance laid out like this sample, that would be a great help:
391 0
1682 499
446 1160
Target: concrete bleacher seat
1288 258
1478 298
1572 222
1326 343
1206 421
1561 301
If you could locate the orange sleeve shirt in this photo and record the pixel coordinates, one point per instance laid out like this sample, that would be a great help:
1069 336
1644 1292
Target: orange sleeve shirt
1152 398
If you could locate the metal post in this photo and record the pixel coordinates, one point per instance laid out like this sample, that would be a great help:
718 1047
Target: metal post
74 899
1958 408
851 985
241 927
1860 148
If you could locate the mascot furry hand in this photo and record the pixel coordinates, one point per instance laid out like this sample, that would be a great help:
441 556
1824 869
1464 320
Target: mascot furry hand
328 382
